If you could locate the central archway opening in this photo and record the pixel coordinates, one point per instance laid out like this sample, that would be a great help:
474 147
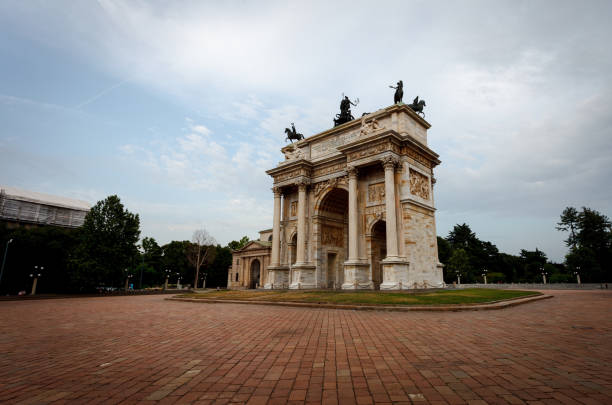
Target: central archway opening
378 251
255 274
333 237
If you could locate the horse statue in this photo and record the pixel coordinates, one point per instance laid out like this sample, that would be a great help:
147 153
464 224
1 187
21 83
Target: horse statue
399 92
292 134
417 106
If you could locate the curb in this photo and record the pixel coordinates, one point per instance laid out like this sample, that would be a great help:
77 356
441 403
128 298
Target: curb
441 308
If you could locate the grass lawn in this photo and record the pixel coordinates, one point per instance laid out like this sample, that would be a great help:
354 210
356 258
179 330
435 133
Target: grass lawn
443 297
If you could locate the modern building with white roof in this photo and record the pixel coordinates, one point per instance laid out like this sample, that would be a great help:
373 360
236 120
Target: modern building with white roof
29 208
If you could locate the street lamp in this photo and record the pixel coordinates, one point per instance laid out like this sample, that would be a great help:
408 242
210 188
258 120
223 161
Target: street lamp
4 259
178 281
128 276
484 275
458 278
543 275
577 273
167 277
37 273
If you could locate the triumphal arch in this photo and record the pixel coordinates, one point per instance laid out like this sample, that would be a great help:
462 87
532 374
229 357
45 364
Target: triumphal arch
354 207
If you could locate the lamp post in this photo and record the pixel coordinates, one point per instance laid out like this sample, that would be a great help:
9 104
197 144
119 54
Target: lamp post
543 275
34 276
484 275
178 281
458 278
167 272
141 265
128 276
4 259
577 273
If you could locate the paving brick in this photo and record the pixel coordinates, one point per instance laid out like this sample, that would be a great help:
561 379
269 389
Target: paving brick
143 349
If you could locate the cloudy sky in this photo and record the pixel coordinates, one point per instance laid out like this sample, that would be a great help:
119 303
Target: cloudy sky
179 107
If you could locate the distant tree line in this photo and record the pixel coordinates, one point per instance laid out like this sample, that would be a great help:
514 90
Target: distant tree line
104 253
590 254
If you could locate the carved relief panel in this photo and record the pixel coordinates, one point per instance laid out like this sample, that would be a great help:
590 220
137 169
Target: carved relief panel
419 184
376 193
332 236
293 209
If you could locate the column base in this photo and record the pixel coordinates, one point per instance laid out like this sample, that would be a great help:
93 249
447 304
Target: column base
278 278
357 275
303 277
395 273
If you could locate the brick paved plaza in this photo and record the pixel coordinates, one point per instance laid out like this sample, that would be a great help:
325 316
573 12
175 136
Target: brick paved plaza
142 349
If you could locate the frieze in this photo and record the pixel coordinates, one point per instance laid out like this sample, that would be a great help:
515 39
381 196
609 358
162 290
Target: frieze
419 184
291 174
373 150
416 156
322 171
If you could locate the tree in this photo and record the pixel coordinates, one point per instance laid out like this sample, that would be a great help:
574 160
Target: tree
444 250
590 243
151 261
175 260
107 245
569 222
237 245
461 236
201 251
458 264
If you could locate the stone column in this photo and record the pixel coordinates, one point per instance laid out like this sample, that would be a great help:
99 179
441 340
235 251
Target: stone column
301 236
353 251
275 259
389 164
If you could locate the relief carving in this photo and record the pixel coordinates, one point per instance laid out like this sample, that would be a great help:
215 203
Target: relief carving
331 183
419 184
376 192
332 236
369 127
294 206
293 153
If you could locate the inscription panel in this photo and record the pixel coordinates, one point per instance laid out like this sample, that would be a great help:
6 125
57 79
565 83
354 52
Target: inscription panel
329 146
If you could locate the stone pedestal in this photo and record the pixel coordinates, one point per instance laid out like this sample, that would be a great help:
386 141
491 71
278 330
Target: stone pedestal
304 277
278 277
357 276
395 274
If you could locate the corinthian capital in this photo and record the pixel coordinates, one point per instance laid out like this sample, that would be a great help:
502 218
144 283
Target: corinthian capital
389 162
277 191
352 171
302 183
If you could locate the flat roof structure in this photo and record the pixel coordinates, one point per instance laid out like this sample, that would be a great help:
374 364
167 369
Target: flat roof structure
24 207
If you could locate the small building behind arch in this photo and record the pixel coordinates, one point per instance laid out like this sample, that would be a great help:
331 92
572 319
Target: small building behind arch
249 267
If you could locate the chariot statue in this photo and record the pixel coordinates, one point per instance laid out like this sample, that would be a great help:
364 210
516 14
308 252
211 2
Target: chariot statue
345 111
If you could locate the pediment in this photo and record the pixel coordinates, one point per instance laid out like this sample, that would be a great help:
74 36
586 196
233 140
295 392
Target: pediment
255 245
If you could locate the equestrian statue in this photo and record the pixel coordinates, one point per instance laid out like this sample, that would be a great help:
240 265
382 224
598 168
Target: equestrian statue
417 106
293 134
